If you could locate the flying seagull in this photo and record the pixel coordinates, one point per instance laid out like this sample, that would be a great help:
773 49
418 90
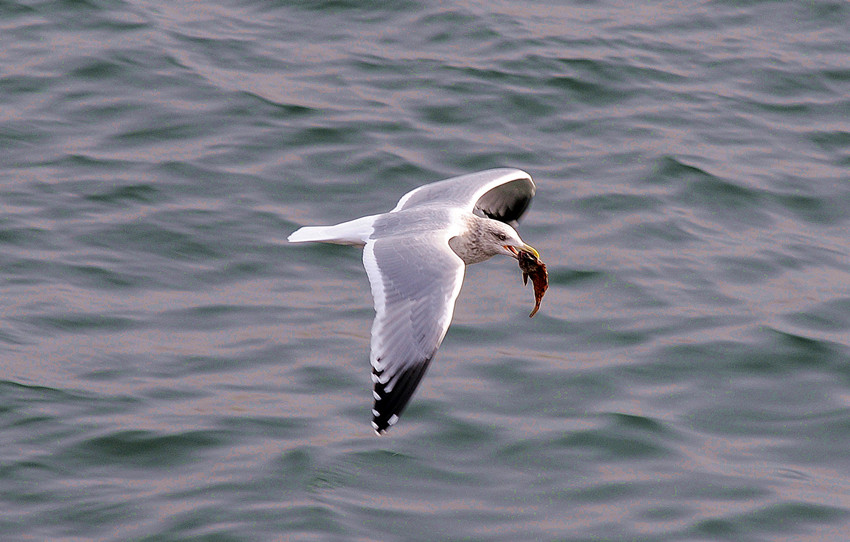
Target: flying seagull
415 257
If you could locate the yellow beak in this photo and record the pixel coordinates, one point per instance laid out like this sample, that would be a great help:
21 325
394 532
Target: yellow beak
524 248
529 248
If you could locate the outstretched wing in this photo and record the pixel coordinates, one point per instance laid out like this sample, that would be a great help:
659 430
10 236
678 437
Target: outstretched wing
501 194
415 281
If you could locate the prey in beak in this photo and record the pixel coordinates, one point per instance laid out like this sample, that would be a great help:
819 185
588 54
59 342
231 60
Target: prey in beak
524 248
533 267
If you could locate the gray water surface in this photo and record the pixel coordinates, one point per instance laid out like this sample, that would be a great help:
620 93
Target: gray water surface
171 369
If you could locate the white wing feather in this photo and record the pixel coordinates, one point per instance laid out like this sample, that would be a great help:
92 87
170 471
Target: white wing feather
415 281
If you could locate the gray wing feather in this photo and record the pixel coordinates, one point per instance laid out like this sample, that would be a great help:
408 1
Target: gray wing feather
501 194
415 281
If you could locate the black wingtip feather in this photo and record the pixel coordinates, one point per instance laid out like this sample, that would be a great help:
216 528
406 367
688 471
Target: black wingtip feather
390 405
507 202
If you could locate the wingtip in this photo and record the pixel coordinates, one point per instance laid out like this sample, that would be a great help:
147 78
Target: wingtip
380 431
380 425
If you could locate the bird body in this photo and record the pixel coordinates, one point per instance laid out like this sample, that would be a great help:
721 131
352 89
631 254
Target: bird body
415 257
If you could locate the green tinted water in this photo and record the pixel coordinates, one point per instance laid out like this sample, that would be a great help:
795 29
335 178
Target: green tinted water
172 370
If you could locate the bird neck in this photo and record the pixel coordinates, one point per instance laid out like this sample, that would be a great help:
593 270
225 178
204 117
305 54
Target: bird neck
468 244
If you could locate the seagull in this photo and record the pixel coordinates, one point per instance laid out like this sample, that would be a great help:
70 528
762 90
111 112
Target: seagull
415 257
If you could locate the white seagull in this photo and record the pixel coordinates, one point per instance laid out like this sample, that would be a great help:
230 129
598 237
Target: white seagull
415 257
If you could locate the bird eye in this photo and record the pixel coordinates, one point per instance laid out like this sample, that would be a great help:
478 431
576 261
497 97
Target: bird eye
501 236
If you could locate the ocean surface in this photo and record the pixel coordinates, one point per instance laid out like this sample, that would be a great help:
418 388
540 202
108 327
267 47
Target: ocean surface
172 369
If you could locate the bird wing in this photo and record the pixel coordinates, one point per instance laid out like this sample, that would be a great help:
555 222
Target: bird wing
501 194
415 281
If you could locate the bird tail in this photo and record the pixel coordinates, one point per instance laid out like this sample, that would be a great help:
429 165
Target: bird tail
353 232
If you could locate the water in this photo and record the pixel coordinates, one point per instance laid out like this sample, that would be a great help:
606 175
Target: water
173 370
